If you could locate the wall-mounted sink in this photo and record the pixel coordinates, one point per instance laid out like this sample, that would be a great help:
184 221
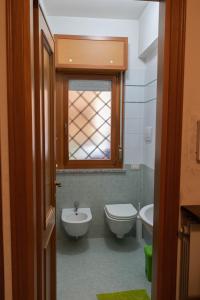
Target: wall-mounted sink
146 214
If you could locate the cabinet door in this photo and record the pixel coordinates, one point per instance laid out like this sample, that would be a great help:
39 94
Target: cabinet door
91 53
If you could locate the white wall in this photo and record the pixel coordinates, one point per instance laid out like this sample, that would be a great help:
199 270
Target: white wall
134 84
138 89
101 27
43 7
148 28
150 111
148 36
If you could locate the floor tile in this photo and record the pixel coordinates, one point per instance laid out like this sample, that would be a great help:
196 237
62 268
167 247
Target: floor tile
87 267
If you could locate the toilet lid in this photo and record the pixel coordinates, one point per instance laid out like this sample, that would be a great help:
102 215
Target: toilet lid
121 211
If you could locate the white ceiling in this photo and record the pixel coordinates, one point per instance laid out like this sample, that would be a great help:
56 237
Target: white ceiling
113 9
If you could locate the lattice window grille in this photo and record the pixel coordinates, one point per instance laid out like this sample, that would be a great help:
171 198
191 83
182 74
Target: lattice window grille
97 146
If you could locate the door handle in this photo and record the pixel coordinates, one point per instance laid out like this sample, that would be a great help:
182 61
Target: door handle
58 184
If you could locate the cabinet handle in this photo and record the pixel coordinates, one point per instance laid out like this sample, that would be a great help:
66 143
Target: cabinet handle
58 184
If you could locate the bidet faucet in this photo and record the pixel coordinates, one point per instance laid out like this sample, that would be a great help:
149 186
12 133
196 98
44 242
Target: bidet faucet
76 206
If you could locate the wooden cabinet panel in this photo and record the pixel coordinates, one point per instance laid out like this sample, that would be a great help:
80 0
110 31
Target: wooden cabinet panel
189 254
78 52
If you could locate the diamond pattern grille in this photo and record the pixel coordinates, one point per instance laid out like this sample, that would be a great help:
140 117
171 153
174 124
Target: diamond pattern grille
89 125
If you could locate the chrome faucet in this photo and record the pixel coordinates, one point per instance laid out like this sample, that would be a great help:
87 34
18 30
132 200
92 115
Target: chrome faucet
76 206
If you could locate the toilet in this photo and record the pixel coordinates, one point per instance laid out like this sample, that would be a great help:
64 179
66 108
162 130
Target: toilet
120 218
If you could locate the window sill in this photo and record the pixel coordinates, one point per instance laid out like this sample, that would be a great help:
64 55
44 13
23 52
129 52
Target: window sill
123 170
92 171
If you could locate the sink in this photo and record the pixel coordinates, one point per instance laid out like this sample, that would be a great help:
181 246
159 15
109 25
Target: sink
146 214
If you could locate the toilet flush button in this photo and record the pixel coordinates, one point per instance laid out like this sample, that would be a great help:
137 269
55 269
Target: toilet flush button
148 134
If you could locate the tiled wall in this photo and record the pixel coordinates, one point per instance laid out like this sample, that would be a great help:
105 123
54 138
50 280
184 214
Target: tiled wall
134 111
147 185
140 112
148 40
148 28
149 116
134 186
94 190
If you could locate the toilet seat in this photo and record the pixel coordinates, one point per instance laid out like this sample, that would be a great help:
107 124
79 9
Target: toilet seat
121 212
120 218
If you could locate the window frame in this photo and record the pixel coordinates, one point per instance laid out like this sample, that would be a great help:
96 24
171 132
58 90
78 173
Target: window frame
62 154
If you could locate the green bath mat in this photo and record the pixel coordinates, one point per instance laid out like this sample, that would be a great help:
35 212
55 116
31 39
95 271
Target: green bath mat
127 295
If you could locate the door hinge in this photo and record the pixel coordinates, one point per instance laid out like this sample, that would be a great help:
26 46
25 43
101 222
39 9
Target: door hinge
183 233
120 154
58 184
66 129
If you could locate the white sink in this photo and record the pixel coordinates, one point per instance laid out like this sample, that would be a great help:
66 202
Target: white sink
146 214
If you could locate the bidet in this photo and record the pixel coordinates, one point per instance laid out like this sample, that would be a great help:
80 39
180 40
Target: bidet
76 206
76 221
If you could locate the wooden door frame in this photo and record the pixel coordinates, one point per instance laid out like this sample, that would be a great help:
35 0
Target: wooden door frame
1 237
20 99
22 147
2 57
171 55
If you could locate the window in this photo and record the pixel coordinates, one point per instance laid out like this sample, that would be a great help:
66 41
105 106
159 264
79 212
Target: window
88 108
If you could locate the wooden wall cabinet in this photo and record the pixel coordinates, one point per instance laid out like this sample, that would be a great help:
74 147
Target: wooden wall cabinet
91 53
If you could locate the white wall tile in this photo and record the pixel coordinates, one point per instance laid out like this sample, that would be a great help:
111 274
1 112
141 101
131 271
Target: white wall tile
135 76
151 70
133 125
133 148
134 93
134 110
148 26
128 156
149 112
150 91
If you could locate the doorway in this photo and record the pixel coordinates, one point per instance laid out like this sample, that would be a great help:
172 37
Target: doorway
162 210
99 185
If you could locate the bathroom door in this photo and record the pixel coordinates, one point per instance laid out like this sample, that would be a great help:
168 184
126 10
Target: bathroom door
45 169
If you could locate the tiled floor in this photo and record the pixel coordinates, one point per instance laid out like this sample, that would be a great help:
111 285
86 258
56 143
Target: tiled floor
87 267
